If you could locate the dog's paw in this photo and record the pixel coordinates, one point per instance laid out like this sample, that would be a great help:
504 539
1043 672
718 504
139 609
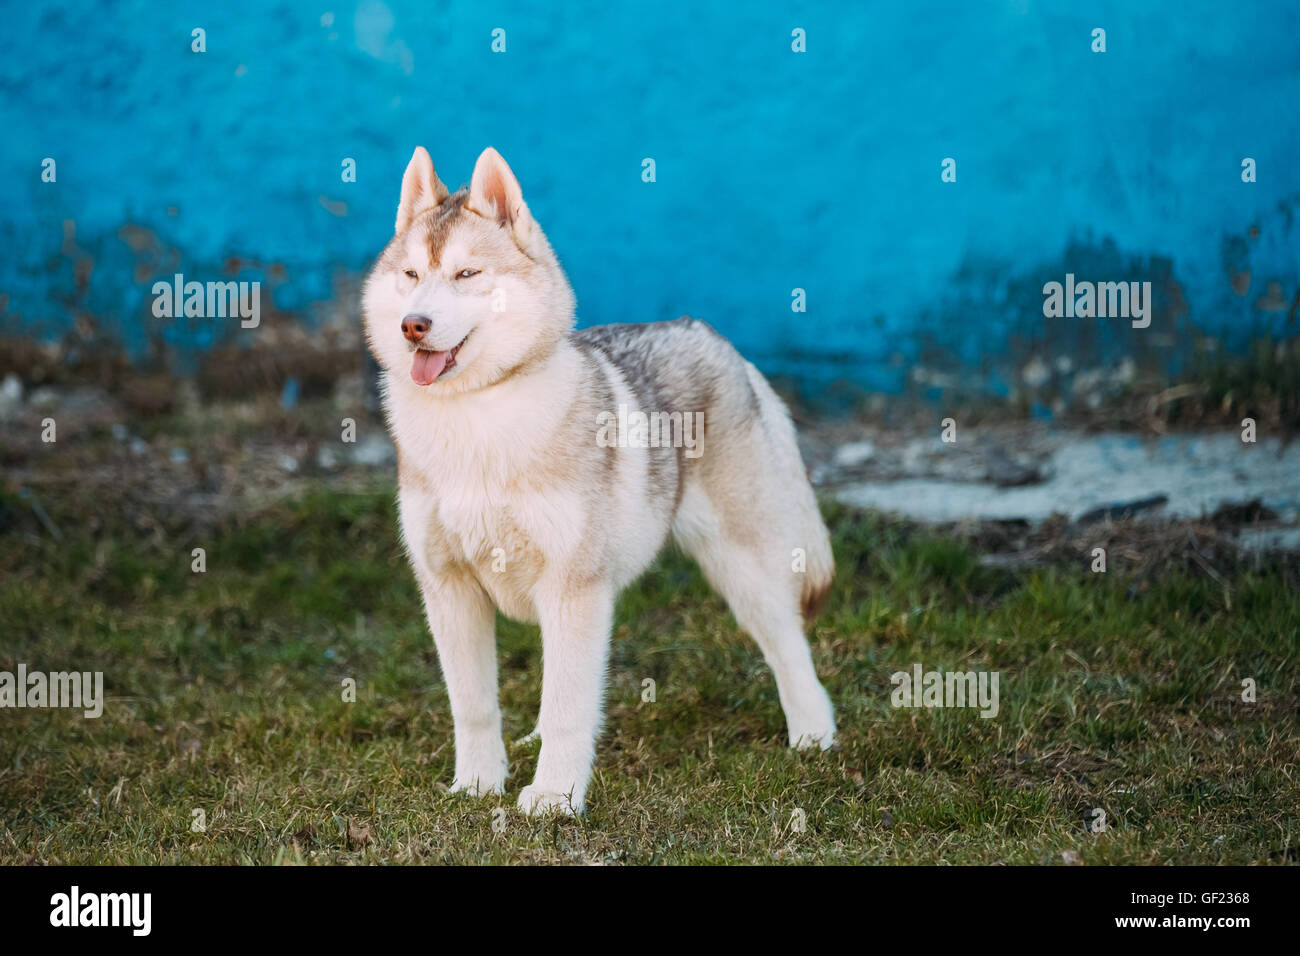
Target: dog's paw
811 722
534 802
479 786
481 767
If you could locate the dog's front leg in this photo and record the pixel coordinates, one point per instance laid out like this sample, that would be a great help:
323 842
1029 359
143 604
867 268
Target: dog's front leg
463 622
575 649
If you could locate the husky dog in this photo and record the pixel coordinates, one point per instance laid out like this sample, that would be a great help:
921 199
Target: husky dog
512 497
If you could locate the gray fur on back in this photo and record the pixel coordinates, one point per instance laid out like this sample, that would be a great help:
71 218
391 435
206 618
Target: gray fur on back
680 366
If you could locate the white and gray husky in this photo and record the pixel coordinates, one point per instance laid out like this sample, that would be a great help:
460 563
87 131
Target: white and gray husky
515 494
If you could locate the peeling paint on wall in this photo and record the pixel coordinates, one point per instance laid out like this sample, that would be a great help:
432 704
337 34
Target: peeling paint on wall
775 170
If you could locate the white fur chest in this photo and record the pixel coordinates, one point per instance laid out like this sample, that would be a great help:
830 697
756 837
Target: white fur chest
468 502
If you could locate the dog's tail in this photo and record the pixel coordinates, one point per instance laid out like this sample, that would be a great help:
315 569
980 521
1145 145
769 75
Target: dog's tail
806 529
821 566
816 591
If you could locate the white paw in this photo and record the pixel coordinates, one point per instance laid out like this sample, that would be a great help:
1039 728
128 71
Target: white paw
535 802
812 722
482 771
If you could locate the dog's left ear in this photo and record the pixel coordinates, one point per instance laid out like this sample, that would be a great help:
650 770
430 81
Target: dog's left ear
494 193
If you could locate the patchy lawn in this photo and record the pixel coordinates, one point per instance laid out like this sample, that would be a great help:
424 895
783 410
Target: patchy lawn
1117 694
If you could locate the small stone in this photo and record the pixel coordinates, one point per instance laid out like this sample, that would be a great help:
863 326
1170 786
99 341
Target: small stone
374 450
1036 373
44 397
853 454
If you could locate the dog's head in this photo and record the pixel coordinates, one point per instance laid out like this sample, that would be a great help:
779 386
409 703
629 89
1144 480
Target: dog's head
468 290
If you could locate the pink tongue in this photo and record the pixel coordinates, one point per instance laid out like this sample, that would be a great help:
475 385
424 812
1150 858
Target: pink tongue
427 366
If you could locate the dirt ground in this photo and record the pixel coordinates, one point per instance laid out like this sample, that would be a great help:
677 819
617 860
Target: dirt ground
1021 491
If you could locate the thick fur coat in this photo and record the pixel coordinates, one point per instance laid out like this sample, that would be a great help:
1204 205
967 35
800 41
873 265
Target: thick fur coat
516 494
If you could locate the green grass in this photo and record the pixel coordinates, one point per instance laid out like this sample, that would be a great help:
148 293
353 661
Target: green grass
225 696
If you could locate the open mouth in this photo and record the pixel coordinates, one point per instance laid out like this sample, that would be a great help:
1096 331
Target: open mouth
428 366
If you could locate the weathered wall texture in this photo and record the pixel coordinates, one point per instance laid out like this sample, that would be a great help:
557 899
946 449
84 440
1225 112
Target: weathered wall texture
775 170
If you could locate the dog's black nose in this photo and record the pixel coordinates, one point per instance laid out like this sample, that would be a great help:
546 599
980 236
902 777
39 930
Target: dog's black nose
416 327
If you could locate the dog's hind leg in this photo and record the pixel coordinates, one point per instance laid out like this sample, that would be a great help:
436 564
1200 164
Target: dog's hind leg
752 571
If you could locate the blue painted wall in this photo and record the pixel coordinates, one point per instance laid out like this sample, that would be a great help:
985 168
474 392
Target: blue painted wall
775 170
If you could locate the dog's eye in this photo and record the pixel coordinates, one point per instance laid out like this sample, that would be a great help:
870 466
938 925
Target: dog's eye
412 274
466 273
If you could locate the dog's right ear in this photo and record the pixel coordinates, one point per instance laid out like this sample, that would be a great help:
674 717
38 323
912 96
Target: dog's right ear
421 189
